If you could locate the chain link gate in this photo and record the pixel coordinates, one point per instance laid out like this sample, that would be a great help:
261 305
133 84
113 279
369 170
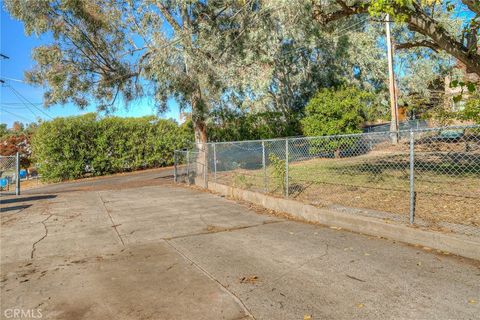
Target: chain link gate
430 177
10 174
190 166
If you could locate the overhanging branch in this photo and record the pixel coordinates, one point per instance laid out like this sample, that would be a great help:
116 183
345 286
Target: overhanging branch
417 44
473 5
417 20
347 10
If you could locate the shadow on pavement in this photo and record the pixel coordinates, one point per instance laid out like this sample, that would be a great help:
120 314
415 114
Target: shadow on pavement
20 207
169 177
25 199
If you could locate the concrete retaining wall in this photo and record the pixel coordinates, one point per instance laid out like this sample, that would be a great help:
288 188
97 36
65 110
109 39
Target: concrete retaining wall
457 244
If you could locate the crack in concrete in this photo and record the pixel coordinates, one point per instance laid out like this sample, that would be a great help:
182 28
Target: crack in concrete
114 225
219 230
34 245
234 296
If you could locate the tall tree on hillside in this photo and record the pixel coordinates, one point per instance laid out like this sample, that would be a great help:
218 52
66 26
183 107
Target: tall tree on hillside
17 127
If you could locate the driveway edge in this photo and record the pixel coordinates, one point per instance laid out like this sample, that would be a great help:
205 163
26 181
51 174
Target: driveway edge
453 243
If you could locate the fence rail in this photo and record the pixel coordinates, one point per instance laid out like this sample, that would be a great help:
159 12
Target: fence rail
430 177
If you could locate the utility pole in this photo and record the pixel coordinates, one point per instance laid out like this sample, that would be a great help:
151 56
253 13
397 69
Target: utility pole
391 80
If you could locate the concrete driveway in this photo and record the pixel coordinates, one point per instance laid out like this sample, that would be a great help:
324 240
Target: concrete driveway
139 247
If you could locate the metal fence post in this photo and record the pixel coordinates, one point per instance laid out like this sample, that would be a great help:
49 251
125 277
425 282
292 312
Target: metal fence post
17 182
264 166
412 177
214 162
175 166
188 166
286 167
205 165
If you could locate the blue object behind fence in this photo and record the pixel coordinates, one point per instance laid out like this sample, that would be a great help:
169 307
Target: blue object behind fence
3 183
23 174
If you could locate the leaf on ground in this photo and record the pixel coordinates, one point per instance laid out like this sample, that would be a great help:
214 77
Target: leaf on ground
212 229
472 301
249 279
360 305
307 317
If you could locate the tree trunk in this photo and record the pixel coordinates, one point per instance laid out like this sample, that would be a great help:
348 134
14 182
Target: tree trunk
200 129
198 117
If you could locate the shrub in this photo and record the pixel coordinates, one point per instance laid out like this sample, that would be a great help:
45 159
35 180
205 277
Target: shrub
69 148
279 171
13 143
336 111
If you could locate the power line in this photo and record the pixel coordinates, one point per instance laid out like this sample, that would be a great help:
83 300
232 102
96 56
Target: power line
19 103
13 79
21 97
26 106
18 116
2 106
335 37
339 33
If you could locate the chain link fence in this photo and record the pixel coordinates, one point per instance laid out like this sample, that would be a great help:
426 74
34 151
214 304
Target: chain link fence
191 165
430 177
10 175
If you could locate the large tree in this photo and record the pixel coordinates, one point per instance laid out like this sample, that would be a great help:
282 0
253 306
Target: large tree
261 55
431 22
294 58
110 50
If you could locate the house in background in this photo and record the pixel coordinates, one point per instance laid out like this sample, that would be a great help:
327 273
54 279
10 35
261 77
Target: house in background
455 91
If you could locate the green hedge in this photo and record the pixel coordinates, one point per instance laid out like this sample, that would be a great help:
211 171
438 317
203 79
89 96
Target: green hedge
73 147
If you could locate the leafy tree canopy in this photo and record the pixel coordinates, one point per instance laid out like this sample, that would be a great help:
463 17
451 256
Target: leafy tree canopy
337 111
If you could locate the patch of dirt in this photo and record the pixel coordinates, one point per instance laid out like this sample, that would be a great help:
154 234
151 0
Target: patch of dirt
433 208
31 184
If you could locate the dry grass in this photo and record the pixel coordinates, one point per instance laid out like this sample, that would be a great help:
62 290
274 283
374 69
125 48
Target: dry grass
376 181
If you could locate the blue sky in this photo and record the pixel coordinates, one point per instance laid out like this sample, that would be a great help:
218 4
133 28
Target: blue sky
17 46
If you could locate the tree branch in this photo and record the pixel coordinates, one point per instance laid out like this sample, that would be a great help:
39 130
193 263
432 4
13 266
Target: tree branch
357 7
473 5
170 19
416 44
418 21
